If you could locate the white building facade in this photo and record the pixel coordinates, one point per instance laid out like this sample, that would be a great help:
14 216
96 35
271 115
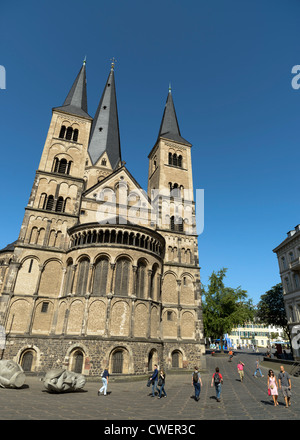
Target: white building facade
255 334
288 254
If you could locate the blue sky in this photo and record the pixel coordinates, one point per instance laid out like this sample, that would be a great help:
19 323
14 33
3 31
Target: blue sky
229 64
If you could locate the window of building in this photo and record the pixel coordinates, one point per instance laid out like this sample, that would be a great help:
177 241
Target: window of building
30 266
100 277
122 276
45 306
49 203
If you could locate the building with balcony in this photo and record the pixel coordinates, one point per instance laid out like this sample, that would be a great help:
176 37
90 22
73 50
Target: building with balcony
288 254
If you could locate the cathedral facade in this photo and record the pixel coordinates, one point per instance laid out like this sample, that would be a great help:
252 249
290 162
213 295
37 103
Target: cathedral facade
103 273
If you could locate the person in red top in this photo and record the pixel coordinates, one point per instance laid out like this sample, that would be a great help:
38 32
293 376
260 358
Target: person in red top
217 380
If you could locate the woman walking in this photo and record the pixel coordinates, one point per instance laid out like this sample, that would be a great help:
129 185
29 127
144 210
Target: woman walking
217 380
161 384
273 386
105 376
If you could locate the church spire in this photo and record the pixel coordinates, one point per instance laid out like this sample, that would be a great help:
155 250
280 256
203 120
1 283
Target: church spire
105 134
169 127
76 100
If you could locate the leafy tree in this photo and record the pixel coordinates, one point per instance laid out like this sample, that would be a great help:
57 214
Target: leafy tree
224 307
271 310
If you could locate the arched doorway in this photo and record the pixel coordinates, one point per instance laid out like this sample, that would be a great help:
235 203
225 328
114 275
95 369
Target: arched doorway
27 360
176 359
152 359
77 361
117 361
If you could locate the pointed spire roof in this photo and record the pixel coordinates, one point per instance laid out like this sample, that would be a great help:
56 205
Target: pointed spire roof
76 101
169 127
105 134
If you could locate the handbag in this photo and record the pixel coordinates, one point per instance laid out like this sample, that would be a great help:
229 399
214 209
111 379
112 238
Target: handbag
160 382
269 392
149 382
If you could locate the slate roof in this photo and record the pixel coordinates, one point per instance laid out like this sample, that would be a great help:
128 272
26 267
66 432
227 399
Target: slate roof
9 248
169 127
105 134
76 101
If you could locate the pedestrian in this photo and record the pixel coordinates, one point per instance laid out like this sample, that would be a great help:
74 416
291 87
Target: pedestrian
217 380
240 368
257 368
197 383
161 384
285 385
154 379
105 376
230 355
273 386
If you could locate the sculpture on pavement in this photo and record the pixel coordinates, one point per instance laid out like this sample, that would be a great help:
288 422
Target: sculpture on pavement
11 374
61 380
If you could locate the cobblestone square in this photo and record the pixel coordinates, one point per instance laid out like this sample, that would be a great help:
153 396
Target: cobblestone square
131 401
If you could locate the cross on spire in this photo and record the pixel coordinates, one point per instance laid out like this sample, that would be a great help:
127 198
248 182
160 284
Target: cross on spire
113 61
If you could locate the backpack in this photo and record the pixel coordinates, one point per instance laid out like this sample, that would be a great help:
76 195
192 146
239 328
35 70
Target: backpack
217 379
195 377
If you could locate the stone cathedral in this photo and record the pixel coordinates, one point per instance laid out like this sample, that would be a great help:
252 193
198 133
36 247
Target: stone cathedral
104 273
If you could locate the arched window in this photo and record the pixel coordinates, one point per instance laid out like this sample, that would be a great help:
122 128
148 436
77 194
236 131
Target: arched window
100 277
62 167
170 159
122 276
69 133
177 223
175 160
179 163
75 135
59 204
103 162
50 203
140 280
69 277
82 279
42 202
62 132
68 170
55 165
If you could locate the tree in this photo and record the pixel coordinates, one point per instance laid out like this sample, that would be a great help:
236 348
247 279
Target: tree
224 307
271 310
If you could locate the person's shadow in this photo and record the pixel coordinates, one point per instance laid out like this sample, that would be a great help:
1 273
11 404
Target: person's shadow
271 403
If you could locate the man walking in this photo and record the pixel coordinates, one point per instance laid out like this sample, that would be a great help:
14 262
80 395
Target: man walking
285 385
240 368
257 368
154 379
197 383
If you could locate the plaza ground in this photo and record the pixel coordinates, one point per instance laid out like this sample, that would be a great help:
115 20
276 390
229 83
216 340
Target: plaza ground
131 400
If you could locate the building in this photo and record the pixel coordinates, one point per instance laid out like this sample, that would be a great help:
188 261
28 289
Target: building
104 273
254 333
288 254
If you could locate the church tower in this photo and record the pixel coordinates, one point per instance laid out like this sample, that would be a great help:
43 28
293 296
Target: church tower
54 202
170 186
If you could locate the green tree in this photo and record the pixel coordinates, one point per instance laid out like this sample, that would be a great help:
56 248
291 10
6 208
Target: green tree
271 310
224 307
